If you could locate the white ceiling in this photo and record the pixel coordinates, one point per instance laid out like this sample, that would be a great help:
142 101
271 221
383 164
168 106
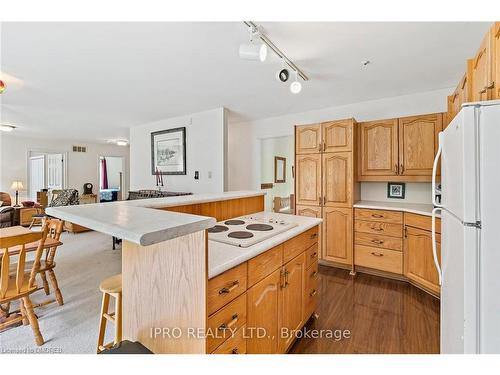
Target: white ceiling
92 81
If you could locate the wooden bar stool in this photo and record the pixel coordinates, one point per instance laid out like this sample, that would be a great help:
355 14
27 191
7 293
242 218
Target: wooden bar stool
112 286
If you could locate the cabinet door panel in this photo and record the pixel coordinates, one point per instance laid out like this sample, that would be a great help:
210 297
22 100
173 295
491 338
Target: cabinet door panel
292 299
308 139
496 60
263 303
481 70
337 179
418 143
308 180
418 259
337 135
310 211
378 148
337 234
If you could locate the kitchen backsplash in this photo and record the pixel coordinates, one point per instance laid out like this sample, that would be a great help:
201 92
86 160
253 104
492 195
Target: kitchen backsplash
415 192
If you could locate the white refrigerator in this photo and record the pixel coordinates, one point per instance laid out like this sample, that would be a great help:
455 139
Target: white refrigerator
469 151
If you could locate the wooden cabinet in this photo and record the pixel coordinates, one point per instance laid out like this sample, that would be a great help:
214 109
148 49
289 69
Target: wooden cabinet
337 179
378 148
461 95
311 211
263 303
482 69
308 139
308 179
337 235
337 136
496 60
418 144
292 300
399 149
418 258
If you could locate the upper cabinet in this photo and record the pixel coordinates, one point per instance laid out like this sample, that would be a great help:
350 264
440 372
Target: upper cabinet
482 70
496 60
461 95
308 139
418 143
308 179
398 149
337 179
337 136
378 148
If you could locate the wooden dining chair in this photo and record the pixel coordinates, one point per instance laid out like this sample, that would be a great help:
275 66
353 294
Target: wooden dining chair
20 284
47 263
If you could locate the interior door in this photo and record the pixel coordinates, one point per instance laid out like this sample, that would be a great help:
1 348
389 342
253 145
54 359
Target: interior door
337 135
292 296
337 179
308 139
418 143
55 171
37 175
378 148
308 179
337 234
263 308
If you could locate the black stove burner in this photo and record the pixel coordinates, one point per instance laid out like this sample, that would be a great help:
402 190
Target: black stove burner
260 227
241 235
217 229
234 222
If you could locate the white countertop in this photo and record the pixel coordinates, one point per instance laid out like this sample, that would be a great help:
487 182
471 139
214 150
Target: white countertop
139 221
415 208
222 257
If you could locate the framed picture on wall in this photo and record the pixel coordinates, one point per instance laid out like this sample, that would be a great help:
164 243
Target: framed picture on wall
396 190
279 169
168 151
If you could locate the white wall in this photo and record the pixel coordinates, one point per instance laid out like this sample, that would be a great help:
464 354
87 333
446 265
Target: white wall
244 138
81 167
271 147
205 152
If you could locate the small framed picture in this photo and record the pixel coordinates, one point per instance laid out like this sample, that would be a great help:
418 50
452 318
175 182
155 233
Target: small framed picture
396 190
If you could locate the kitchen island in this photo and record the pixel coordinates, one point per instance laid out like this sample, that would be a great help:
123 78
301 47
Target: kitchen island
167 260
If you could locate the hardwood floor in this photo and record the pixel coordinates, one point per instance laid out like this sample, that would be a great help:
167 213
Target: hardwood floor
382 315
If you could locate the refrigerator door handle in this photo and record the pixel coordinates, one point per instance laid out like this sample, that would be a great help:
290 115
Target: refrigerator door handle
434 169
434 246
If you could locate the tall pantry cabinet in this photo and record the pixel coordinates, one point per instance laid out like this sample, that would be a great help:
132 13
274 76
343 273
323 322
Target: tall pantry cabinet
326 183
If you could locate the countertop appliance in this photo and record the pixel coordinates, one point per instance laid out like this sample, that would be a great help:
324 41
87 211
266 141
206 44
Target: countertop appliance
470 230
245 231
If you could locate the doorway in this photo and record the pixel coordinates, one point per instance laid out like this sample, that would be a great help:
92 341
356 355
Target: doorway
111 177
46 170
276 173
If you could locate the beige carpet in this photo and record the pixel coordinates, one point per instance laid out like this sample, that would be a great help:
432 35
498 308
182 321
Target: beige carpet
82 262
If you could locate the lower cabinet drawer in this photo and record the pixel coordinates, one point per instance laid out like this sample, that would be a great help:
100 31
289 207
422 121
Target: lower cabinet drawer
311 290
373 227
298 244
225 322
380 259
377 240
312 255
226 287
236 344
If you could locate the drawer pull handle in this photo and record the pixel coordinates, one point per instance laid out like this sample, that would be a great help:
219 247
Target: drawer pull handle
313 255
227 290
313 236
233 321
313 293
378 242
377 229
377 254
314 273
235 351
377 216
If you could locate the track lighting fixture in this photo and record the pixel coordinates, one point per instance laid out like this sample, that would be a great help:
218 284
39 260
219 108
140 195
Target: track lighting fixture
296 86
253 51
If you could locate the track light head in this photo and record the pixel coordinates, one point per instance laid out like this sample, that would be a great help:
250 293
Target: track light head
296 86
253 52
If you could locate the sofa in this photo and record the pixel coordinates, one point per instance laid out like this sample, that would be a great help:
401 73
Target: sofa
6 211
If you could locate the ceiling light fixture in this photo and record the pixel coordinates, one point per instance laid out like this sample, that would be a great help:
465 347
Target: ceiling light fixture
296 86
122 142
253 51
2 86
7 128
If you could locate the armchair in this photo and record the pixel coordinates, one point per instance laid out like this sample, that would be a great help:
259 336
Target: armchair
6 211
